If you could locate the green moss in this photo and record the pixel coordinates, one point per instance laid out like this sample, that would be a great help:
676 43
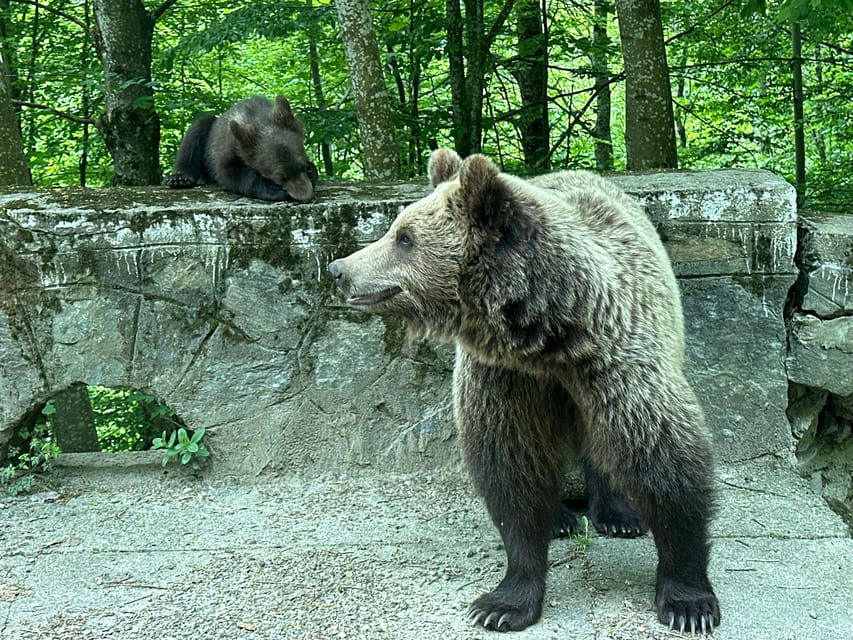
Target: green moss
271 243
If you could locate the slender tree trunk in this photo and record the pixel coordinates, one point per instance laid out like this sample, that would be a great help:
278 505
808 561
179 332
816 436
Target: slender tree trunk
379 148
414 97
468 46
85 99
601 130
13 162
679 114
531 75
460 104
477 51
799 133
319 96
129 124
649 123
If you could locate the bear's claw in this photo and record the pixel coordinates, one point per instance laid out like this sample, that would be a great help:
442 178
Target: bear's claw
691 610
179 181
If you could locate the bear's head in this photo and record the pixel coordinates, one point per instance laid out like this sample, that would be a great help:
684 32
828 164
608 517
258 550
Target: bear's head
276 150
423 268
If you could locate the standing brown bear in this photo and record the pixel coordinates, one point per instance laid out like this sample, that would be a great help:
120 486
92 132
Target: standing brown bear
568 327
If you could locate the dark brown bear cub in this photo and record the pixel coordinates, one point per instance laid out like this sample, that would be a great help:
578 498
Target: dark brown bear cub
568 326
256 149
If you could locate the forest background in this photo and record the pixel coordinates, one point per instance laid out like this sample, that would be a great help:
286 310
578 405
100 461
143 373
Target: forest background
99 92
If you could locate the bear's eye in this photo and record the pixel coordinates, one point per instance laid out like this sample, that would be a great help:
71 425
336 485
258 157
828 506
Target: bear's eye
404 240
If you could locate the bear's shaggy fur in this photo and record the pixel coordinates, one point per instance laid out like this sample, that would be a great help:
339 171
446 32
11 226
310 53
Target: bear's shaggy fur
568 326
256 149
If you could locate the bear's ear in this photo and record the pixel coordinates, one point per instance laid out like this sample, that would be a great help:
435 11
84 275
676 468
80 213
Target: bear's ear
443 165
483 195
282 115
246 134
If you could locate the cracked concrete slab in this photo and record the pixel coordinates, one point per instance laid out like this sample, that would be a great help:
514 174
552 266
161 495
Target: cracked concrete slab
143 556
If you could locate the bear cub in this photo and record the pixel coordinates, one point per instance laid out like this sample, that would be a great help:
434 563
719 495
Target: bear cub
569 340
255 149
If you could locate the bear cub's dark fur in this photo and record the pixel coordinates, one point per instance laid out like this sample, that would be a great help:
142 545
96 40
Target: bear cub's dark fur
256 149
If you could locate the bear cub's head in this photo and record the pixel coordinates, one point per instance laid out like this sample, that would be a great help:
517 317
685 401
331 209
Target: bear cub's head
275 148
416 268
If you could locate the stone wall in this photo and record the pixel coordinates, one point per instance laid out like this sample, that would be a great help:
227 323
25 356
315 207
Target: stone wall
222 309
820 356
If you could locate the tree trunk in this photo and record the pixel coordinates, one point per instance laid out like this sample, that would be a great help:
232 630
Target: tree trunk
129 124
468 46
13 163
460 105
317 83
799 133
649 123
380 151
531 75
601 131
414 97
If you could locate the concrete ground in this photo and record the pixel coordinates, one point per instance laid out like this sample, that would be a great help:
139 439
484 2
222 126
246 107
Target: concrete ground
139 555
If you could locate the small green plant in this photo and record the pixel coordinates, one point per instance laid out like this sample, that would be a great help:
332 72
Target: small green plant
19 475
190 450
581 539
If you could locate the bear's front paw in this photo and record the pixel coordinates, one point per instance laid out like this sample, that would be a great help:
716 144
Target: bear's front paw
685 608
179 181
505 610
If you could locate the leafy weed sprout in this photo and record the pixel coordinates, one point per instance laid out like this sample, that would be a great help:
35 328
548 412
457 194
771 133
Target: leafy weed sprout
190 450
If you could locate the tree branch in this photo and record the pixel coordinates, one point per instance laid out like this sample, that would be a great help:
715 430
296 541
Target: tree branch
61 114
696 24
163 8
58 12
497 25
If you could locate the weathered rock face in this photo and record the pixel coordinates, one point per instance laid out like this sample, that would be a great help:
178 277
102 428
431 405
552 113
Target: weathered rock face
222 309
821 353
820 356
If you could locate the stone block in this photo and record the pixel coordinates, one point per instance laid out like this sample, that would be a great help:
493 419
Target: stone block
821 353
826 259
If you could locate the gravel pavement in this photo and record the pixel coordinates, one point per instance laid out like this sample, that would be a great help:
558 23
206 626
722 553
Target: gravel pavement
139 555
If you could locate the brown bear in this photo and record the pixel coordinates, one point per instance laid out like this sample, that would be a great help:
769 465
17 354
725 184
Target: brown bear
568 327
255 149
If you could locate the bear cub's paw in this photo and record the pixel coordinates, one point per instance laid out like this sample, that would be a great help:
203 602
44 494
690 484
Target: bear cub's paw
616 518
684 608
179 181
506 609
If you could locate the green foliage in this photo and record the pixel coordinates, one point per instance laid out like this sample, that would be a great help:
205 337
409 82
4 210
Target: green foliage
127 419
19 475
730 69
180 445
